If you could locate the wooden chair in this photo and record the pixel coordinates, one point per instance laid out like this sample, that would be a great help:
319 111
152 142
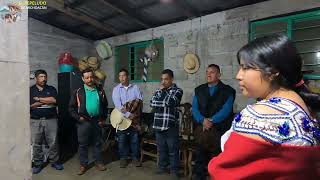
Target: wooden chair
153 152
186 132
148 144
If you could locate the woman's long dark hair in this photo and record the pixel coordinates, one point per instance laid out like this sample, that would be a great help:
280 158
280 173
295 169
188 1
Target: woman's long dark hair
277 57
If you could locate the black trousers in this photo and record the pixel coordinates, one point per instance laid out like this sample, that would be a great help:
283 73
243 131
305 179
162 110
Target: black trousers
207 148
89 133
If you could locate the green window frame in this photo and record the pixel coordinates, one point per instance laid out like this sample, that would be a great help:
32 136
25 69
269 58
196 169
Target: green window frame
128 56
303 29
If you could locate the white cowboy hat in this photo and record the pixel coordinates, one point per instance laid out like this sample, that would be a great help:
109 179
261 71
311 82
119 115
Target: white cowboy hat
118 121
104 50
191 63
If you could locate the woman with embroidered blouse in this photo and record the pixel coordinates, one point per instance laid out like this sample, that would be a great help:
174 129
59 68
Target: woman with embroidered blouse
278 137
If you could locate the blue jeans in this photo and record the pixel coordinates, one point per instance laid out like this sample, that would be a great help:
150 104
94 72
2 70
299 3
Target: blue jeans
89 132
128 137
168 145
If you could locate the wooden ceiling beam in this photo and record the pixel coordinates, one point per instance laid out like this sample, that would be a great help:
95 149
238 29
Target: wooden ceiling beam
147 5
127 12
100 20
187 8
75 3
59 5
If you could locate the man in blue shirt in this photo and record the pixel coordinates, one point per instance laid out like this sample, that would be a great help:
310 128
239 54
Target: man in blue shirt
212 110
124 94
44 123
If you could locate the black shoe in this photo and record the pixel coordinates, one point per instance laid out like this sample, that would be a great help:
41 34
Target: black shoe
136 163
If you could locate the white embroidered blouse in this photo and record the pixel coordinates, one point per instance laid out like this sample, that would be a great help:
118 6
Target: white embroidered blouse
292 126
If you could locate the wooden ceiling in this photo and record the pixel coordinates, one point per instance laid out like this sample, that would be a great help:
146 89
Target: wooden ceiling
98 19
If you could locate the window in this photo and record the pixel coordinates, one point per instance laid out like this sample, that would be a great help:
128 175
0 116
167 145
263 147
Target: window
128 56
303 29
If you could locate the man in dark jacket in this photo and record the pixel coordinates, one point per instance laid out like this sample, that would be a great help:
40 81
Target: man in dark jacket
212 109
88 105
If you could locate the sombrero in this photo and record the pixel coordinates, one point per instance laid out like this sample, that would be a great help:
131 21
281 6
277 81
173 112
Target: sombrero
100 75
104 50
83 63
118 121
191 63
93 63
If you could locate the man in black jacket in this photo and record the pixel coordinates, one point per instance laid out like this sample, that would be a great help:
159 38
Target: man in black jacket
212 109
88 105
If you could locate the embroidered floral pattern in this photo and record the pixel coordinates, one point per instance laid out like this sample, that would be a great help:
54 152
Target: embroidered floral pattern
284 129
238 117
306 124
316 134
275 100
291 126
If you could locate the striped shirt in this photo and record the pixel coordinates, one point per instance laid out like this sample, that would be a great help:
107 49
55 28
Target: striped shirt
165 104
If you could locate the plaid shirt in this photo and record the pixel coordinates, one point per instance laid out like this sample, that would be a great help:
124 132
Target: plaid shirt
165 104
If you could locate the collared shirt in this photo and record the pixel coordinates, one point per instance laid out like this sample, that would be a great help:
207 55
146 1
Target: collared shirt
122 94
221 115
92 101
165 103
46 111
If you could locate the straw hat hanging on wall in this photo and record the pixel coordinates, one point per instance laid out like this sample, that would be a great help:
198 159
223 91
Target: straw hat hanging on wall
104 50
93 63
83 63
100 75
191 63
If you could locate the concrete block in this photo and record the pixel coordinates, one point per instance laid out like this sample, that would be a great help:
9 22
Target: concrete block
180 74
268 8
230 44
170 41
227 72
177 51
222 59
229 82
187 96
213 19
47 43
238 12
230 28
242 101
235 69
192 77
